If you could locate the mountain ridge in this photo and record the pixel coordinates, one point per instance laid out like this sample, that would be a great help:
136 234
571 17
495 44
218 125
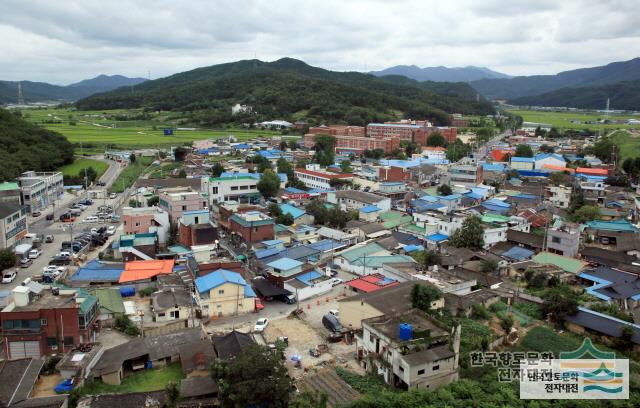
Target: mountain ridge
441 73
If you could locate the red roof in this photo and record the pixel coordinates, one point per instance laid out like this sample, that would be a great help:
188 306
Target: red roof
371 283
141 270
592 171
325 175
558 168
501 155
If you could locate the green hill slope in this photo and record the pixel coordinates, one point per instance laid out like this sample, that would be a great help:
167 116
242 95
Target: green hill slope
25 146
287 89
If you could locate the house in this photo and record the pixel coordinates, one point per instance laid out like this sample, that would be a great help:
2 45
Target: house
369 213
282 269
145 220
143 272
197 356
195 228
303 233
150 399
171 304
386 301
410 350
605 257
522 163
309 284
13 224
613 286
110 302
563 239
587 321
19 378
548 159
143 246
464 173
97 273
370 283
337 235
230 345
363 230
570 265
252 226
224 293
559 196
178 200
355 200
461 305
367 259
40 321
526 239
315 178
198 391
437 152
299 215
240 188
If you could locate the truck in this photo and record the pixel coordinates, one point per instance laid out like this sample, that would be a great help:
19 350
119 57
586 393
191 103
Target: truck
22 250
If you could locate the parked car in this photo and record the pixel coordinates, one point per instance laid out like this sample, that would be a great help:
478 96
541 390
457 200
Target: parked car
64 254
26 262
86 201
259 305
261 324
60 261
9 276
288 299
335 312
91 219
111 230
50 217
336 281
36 214
35 253
112 195
331 323
48 238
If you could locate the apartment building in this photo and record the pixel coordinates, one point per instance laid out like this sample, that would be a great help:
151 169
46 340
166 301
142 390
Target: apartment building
563 240
239 188
40 189
559 196
142 220
338 130
401 131
13 224
313 177
467 174
10 192
40 321
355 200
252 226
177 201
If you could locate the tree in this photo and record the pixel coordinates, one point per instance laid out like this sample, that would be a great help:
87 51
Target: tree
558 178
285 219
524 150
431 258
182 174
586 213
283 145
308 399
269 184
179 153
422 295
217 169
256 377
173 393
488 266
470 235
457 150
301 163
603 149
444 190
293 145
318 210
545 148
345 166
325 149
153 201
7 259
560 301
436 140
274 210
577 199
132 158
285 167
506 322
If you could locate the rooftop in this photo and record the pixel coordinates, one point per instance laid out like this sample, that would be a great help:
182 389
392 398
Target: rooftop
371 283
361 196
563 262
421 324
325 175
141 270
284 264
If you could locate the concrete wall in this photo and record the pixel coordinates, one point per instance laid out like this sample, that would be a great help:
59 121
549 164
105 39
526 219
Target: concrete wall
353 312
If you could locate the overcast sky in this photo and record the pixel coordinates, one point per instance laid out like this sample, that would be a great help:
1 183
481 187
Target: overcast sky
66 41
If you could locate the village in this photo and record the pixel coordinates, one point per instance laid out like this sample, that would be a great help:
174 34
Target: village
332 249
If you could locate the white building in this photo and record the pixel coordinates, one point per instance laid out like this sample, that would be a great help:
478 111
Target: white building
40 189
522 163
315 178
356 200
542 159
559 196
434 153
230 188
13 224
237 108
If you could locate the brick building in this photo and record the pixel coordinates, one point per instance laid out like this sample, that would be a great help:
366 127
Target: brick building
338 130
195 228
357 144
252 226
144 220
42 321
177 201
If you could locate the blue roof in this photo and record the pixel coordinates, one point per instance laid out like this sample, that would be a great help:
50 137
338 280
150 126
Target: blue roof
542 156
522 159
264 253
428 198
437 237
526 196
473 195
450 197
293 190
618 225
272 242
306 278
192 212
327 245
294 211
493 167
369 209
392 183
241 146
413 248
219 277
517 253
533 173
98 271
284 264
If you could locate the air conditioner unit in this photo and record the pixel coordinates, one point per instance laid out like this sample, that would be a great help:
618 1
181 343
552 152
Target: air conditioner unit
54 347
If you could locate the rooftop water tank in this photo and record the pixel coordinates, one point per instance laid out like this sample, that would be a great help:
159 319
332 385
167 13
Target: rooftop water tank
406 332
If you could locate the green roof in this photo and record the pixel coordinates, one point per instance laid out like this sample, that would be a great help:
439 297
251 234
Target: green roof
378 261
396 222
9 186
489 218
415 229
110 300
360 252
390 215
432 191
563 262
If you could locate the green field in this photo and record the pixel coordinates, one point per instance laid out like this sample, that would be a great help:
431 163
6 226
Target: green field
563 120
97 132
144 381
130 174
628 144
74 168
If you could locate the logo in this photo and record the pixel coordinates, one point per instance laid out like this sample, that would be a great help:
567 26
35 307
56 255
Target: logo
585 373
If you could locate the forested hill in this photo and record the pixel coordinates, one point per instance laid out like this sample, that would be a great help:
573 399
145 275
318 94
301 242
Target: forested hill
623 95
289 89
25 146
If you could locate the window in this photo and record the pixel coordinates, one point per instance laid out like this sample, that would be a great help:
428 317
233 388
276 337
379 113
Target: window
420 372
68 340
43 322
52 341
184 208
556 240
401 369
219 306
160 314
234 188
371 339
221 292
436 367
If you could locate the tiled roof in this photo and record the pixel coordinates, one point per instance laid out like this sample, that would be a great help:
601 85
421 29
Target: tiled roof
219 277
141 270
565 263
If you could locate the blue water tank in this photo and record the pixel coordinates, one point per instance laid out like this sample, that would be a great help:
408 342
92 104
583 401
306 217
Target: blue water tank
127 291
406 331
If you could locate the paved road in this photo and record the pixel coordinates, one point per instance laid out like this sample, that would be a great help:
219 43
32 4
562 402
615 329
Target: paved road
64 231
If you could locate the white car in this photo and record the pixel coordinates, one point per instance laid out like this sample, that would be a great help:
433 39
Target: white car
112 195
64 254
91 219
335 312
34 253
111 230
261 324
336 281
9 276
54 270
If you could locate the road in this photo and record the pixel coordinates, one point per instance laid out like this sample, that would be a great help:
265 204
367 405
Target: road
62 231
481 151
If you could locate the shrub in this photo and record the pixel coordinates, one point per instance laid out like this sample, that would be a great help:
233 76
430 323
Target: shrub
147 291
529 310
480 312
498 307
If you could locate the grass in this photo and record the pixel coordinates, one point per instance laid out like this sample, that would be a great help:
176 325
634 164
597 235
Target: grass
78 164
147 380
628 146
130 174
98 131
562 120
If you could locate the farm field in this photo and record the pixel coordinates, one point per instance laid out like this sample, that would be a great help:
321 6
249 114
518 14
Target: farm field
628 143
98 132
562 120
130 174
74 168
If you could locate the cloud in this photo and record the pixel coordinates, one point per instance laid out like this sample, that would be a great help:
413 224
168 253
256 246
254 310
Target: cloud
64 42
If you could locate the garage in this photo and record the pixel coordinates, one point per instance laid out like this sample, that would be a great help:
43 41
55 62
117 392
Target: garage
24 349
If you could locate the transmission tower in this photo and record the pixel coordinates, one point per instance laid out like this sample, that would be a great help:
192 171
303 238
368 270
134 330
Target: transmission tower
20 95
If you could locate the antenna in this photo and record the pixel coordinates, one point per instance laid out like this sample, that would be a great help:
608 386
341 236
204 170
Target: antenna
607 110
20 95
